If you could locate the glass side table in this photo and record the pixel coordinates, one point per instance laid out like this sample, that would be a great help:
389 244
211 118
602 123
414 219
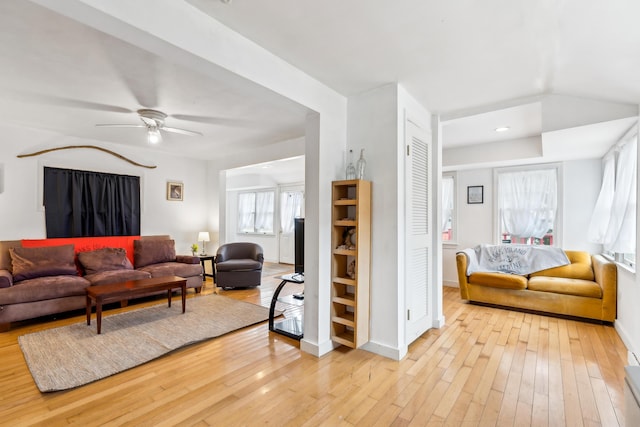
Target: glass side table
292 327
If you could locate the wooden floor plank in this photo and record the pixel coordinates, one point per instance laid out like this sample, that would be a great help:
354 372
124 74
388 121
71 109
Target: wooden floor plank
485 367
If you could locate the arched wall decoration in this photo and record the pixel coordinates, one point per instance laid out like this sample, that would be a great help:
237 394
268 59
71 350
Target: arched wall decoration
68 147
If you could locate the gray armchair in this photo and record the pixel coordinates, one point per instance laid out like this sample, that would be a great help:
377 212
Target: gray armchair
239 265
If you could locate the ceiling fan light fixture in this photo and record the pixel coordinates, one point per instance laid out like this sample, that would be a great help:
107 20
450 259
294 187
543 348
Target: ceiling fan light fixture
153 121
153 135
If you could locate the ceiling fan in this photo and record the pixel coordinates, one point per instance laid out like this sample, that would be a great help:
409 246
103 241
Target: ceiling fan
153 120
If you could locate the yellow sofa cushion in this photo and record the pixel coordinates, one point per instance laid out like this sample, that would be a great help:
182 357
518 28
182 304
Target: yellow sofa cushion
498 280
559 285
580 267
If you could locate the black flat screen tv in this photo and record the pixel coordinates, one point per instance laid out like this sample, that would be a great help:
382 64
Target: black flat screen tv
299 245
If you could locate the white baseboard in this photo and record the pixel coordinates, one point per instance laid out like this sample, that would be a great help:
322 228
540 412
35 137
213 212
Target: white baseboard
317 349
624 336
385 350
451 284
438 322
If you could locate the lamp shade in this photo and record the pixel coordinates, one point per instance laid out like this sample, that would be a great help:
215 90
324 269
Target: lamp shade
203 236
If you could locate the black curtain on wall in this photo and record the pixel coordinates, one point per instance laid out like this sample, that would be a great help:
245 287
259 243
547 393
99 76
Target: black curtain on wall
85 204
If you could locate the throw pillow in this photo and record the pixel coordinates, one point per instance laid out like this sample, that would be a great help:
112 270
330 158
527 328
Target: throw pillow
105 259
29 263
146 252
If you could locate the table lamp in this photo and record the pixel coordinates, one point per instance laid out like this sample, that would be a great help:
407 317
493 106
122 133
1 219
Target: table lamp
203 236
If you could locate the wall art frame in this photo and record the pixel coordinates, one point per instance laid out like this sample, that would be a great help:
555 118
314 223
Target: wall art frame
175 191
475 194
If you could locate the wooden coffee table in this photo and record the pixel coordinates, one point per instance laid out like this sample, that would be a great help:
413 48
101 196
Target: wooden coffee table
113 292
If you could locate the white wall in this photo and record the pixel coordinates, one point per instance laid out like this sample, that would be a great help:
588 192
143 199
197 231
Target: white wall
20 203
627 323
581 185
373 125
376 123
582 180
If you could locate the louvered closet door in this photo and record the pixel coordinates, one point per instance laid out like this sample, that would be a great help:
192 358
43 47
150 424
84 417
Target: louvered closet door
418 234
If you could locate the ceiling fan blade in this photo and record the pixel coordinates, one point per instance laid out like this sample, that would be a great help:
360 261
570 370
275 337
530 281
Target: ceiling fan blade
137 70
181 131
120 126
60 101
222 121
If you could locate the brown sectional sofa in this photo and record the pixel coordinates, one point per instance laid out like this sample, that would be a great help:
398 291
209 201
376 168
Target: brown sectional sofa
38 281
585 288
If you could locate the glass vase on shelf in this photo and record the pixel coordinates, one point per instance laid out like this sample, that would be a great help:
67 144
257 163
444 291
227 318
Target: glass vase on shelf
351 170
361 165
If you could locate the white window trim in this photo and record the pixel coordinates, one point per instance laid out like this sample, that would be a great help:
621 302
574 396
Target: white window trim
454 215
557 232
276 194
618 258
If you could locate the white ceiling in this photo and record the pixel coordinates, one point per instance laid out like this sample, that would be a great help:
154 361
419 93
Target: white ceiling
283 171
451 56
522 121
61 75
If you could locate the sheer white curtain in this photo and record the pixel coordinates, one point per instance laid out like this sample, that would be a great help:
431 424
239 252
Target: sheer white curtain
447 200
246 212
528 202
290 208
264 211
602 211
621 231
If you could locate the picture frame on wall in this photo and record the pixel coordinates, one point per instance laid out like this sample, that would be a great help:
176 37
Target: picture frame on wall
475 194
175 191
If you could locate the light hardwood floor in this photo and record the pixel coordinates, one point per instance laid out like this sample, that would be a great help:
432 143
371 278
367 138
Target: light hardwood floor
485 367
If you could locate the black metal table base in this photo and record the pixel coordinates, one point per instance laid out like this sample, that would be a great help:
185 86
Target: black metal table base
292 327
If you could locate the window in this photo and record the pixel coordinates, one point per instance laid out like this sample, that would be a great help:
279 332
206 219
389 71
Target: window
291 203
527 205
613 221
256 212
85 203
448 208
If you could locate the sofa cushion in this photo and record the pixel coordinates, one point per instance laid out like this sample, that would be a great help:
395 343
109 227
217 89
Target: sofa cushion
44 288
115 276
559 285
104 259
146 252
173 269
29 263
498 280
580 267
187 259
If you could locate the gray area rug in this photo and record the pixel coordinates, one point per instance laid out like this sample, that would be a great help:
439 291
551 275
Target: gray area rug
73 355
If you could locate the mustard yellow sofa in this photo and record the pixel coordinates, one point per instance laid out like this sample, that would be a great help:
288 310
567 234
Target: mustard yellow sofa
587 287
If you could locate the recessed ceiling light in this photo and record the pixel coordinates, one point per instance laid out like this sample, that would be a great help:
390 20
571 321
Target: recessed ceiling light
502 129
